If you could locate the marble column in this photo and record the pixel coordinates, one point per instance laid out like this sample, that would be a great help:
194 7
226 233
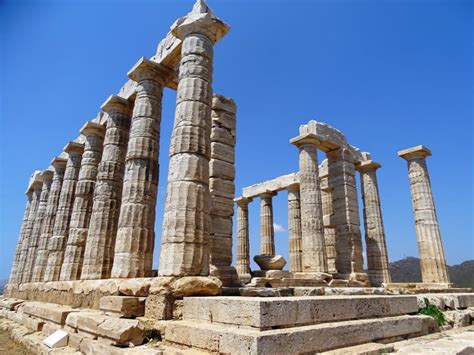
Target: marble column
57 243
83 199
99 252
349 259
432 259
59 166
136 227
36 187
14 276
243 257
47 177
329 231
376 248
312 229
294 228
221 185
186 221
267 232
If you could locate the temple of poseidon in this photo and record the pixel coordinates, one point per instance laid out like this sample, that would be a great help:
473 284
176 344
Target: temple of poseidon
82 278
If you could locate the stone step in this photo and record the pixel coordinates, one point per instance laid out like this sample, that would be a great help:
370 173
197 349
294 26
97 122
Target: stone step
222 338
363 349
283 312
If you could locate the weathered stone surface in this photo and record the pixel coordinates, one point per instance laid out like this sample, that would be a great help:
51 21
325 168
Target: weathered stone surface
377 257
83 200
430 246
341 169
278 184
48 311
22 257
33 241
123 306
243 258
267 233
135 236
59 166
121 331
10 303
58 241
270 262
99 251
159 307
312 228
294 228
196 286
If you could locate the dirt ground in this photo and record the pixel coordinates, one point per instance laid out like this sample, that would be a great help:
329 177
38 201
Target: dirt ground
9 347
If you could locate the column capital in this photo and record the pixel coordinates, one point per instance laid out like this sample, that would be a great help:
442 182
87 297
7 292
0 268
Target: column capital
59 162
243 201
267 194
293 187
91 128
116 103
47 175
306 139
146 69
420 151
367 165
74 147
200 21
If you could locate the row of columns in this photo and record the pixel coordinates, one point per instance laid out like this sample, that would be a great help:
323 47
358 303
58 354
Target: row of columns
94 216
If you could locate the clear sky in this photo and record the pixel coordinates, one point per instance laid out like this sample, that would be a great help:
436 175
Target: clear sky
389 74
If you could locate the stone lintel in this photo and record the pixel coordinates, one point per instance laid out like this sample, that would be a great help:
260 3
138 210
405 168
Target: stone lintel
420 151
59 162
306 139
242 201
278 184
74 147
367 165
116 103
91 128
147 69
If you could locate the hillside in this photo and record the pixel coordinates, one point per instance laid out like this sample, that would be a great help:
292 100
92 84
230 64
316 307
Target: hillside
408 270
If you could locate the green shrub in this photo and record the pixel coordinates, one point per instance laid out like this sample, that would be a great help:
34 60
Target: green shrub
431 310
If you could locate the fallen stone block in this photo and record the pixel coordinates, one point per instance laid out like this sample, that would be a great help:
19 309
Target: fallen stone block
121 332
58 339
123 306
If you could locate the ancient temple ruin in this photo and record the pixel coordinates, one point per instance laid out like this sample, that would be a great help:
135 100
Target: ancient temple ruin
84 257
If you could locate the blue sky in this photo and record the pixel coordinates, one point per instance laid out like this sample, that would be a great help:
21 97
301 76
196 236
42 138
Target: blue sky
389 74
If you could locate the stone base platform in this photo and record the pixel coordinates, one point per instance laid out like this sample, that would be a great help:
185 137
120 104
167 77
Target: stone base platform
419 287
290 325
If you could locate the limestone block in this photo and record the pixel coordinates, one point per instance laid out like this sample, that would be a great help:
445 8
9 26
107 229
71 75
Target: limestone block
123 306
223 135
58 339
48 311
10 303
308 291
178 309
270 262
222 188
135 287
32 323
90 346
86 321
221 169
459 318
159 307
75 340
223 152
121 331
274 185
196 286
50 328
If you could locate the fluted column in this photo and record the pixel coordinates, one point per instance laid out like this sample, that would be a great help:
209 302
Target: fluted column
221 185
36 187
99 252
57 243
243 257
349 259
376 248
83 199
312 229
294 228
33 241
136 228
186 221
329 230
59 166
432 258
14 276
267 232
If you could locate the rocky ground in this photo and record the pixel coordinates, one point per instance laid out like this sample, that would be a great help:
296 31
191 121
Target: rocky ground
8 346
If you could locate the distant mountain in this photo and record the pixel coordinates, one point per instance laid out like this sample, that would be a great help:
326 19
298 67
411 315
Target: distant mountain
2 285
408 270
